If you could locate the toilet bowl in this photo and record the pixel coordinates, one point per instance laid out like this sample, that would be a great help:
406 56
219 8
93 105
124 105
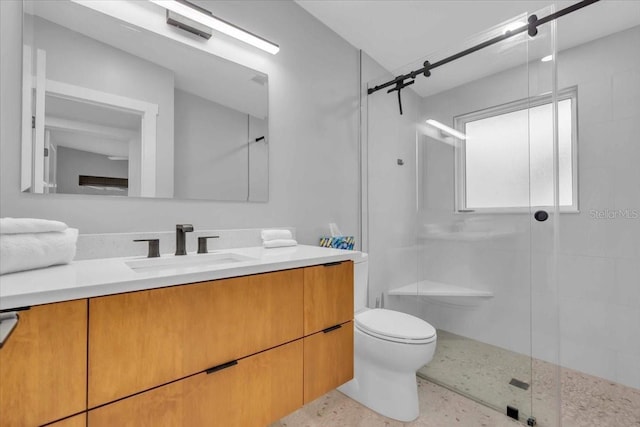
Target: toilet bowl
389 347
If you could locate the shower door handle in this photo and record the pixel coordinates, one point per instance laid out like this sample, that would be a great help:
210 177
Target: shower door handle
541 216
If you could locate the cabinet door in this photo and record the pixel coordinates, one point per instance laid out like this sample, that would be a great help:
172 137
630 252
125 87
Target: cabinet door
145 339
43 365
77 421
328 360
256 391
328 296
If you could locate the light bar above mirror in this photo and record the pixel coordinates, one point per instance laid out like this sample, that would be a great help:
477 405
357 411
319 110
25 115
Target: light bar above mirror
194 13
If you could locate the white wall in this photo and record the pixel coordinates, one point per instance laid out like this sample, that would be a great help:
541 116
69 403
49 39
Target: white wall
598 288
82 61
313 128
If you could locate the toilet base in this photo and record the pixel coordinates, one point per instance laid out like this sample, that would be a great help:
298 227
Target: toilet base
389 393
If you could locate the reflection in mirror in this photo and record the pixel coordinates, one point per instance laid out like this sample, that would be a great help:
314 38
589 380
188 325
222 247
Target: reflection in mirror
111 108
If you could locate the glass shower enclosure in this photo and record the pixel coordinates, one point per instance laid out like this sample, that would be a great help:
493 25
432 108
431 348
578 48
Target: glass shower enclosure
504 198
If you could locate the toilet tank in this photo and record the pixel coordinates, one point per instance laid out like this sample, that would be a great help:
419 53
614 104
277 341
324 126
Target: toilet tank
360 281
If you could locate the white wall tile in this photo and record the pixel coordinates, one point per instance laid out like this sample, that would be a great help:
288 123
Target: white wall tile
583 321
586 278
587 357
623 237
595 102
626 93
627 369
627 282
623 326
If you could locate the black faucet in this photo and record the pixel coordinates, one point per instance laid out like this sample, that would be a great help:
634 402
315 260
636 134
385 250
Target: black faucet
181 229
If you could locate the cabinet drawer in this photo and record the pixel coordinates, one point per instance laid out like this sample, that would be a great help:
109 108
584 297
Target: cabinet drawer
328 296
328 361
144 339
76 421
255 392
43 365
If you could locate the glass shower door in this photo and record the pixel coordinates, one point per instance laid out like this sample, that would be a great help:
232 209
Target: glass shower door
485 166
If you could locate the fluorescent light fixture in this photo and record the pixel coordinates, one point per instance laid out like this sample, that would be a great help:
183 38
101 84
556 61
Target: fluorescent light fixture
514 26
547 58
215 23
117 158
446 129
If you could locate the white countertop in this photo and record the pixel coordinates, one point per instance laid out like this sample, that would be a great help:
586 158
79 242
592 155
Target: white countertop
98 277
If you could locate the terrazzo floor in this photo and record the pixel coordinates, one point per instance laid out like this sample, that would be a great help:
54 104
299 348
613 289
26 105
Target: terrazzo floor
470 366
482 371
439 407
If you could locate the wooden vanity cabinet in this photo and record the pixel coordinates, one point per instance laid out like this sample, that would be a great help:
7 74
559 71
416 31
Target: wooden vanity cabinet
243 352
43 365
257 391
328 360
144 339
328 296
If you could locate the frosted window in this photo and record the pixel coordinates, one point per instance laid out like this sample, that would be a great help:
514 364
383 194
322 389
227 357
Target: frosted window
508 158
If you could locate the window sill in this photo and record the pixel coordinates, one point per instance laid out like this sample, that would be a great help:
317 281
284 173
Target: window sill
528 211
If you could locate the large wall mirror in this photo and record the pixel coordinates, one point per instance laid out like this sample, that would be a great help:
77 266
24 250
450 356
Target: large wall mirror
112 108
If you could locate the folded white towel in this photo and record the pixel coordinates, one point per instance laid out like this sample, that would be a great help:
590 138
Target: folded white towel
20 252
279 243
29 225
276 234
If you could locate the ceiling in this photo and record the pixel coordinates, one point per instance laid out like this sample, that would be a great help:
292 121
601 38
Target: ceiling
401 34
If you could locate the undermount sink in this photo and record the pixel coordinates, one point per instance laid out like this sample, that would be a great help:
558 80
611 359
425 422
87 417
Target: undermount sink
187 261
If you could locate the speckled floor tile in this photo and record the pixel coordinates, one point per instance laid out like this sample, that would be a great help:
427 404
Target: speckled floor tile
439 407
483 371
592 401
472 367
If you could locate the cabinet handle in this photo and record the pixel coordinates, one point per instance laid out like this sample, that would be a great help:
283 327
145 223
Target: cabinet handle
8 322
221 367
332 328
331 264
13 310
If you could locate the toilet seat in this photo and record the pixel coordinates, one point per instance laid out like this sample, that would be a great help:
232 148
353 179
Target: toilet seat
395 326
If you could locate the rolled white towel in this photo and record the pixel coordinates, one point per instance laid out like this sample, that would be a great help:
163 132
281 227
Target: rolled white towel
276 235
279 243
29 225
19 252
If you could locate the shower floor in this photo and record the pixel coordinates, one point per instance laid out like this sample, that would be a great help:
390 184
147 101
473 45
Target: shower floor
483 372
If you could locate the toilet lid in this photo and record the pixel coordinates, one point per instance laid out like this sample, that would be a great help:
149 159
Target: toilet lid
395 326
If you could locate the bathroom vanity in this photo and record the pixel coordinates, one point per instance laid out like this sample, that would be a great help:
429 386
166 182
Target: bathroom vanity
242 343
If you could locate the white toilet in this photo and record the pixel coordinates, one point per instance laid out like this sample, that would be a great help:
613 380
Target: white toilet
390 347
